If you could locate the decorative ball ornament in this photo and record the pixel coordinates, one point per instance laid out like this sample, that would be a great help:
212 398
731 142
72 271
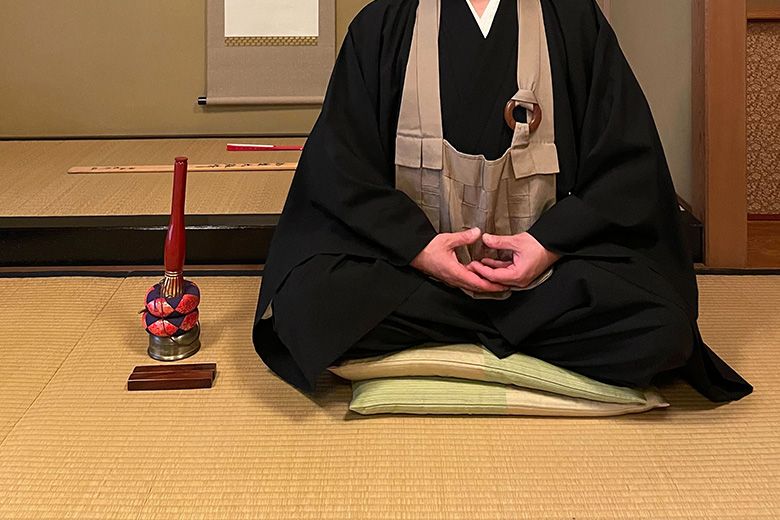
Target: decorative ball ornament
162 307
170 326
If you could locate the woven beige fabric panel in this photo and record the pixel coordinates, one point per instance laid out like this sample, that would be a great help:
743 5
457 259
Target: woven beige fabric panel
36 183
254 447
41 320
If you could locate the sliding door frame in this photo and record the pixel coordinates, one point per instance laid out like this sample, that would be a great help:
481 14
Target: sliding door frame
719 129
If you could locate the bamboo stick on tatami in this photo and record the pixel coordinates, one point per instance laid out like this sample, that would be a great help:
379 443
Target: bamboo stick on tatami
166 168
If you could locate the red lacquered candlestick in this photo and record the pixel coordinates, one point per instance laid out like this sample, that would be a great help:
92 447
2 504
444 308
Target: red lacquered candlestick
175 244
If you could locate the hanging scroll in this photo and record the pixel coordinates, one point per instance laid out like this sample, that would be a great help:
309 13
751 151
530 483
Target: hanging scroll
269 52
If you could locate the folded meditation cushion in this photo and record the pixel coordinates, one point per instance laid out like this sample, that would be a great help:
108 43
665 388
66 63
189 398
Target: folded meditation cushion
430 395
476 363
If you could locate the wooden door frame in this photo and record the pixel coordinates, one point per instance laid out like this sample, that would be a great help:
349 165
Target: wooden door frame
719 129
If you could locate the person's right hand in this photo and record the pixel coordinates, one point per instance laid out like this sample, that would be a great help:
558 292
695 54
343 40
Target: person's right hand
439 260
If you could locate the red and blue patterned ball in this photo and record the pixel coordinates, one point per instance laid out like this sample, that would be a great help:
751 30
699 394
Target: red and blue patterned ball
162 307
170 326
166 317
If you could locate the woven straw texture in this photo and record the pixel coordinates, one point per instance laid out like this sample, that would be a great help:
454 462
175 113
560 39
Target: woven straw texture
41 320
254 447
36 182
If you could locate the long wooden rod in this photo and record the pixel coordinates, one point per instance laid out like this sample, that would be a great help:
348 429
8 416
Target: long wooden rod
167 168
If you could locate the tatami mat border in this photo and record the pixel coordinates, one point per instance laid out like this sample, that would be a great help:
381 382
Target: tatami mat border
135 239
241 239
717 271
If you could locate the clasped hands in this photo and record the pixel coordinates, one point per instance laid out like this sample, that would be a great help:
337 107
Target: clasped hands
529 260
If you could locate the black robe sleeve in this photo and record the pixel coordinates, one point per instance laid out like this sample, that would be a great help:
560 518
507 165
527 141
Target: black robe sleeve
616 199
621 202
346 167
343 198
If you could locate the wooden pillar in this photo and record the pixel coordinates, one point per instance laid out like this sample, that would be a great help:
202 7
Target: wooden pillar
719 129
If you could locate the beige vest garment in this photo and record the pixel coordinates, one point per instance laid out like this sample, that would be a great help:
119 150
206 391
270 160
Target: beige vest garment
459 191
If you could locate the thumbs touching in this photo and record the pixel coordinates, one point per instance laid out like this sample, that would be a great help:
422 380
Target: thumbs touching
498 242
466 237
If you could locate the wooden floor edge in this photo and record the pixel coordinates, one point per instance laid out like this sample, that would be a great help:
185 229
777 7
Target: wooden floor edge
763 243
257 270
127 272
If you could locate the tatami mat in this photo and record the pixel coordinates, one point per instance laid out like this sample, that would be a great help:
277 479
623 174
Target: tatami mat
254 447
36 183
41 320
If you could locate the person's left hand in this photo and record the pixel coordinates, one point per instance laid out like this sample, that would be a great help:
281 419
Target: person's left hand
529 260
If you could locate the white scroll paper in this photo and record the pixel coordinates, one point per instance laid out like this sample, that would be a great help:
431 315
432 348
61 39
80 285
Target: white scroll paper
271 18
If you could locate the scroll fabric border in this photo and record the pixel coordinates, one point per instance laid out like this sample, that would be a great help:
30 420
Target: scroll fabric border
261 41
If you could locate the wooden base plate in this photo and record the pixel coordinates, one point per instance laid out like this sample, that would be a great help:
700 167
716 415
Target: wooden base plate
172 377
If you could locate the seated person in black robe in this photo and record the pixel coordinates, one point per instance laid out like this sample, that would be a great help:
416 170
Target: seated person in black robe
357 269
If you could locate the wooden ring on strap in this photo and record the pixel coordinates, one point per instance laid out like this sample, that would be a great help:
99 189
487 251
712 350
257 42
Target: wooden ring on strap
509 116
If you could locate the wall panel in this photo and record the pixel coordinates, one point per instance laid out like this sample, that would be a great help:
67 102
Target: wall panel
650 32
114 67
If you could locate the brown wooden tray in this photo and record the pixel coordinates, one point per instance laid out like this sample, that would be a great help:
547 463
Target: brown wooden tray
172 377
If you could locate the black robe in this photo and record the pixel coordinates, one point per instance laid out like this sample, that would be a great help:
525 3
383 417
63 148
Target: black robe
616 200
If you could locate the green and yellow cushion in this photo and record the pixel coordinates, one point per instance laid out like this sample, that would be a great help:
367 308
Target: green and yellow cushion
476 363
431 395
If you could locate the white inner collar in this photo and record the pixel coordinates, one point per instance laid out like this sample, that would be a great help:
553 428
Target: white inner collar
485 21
